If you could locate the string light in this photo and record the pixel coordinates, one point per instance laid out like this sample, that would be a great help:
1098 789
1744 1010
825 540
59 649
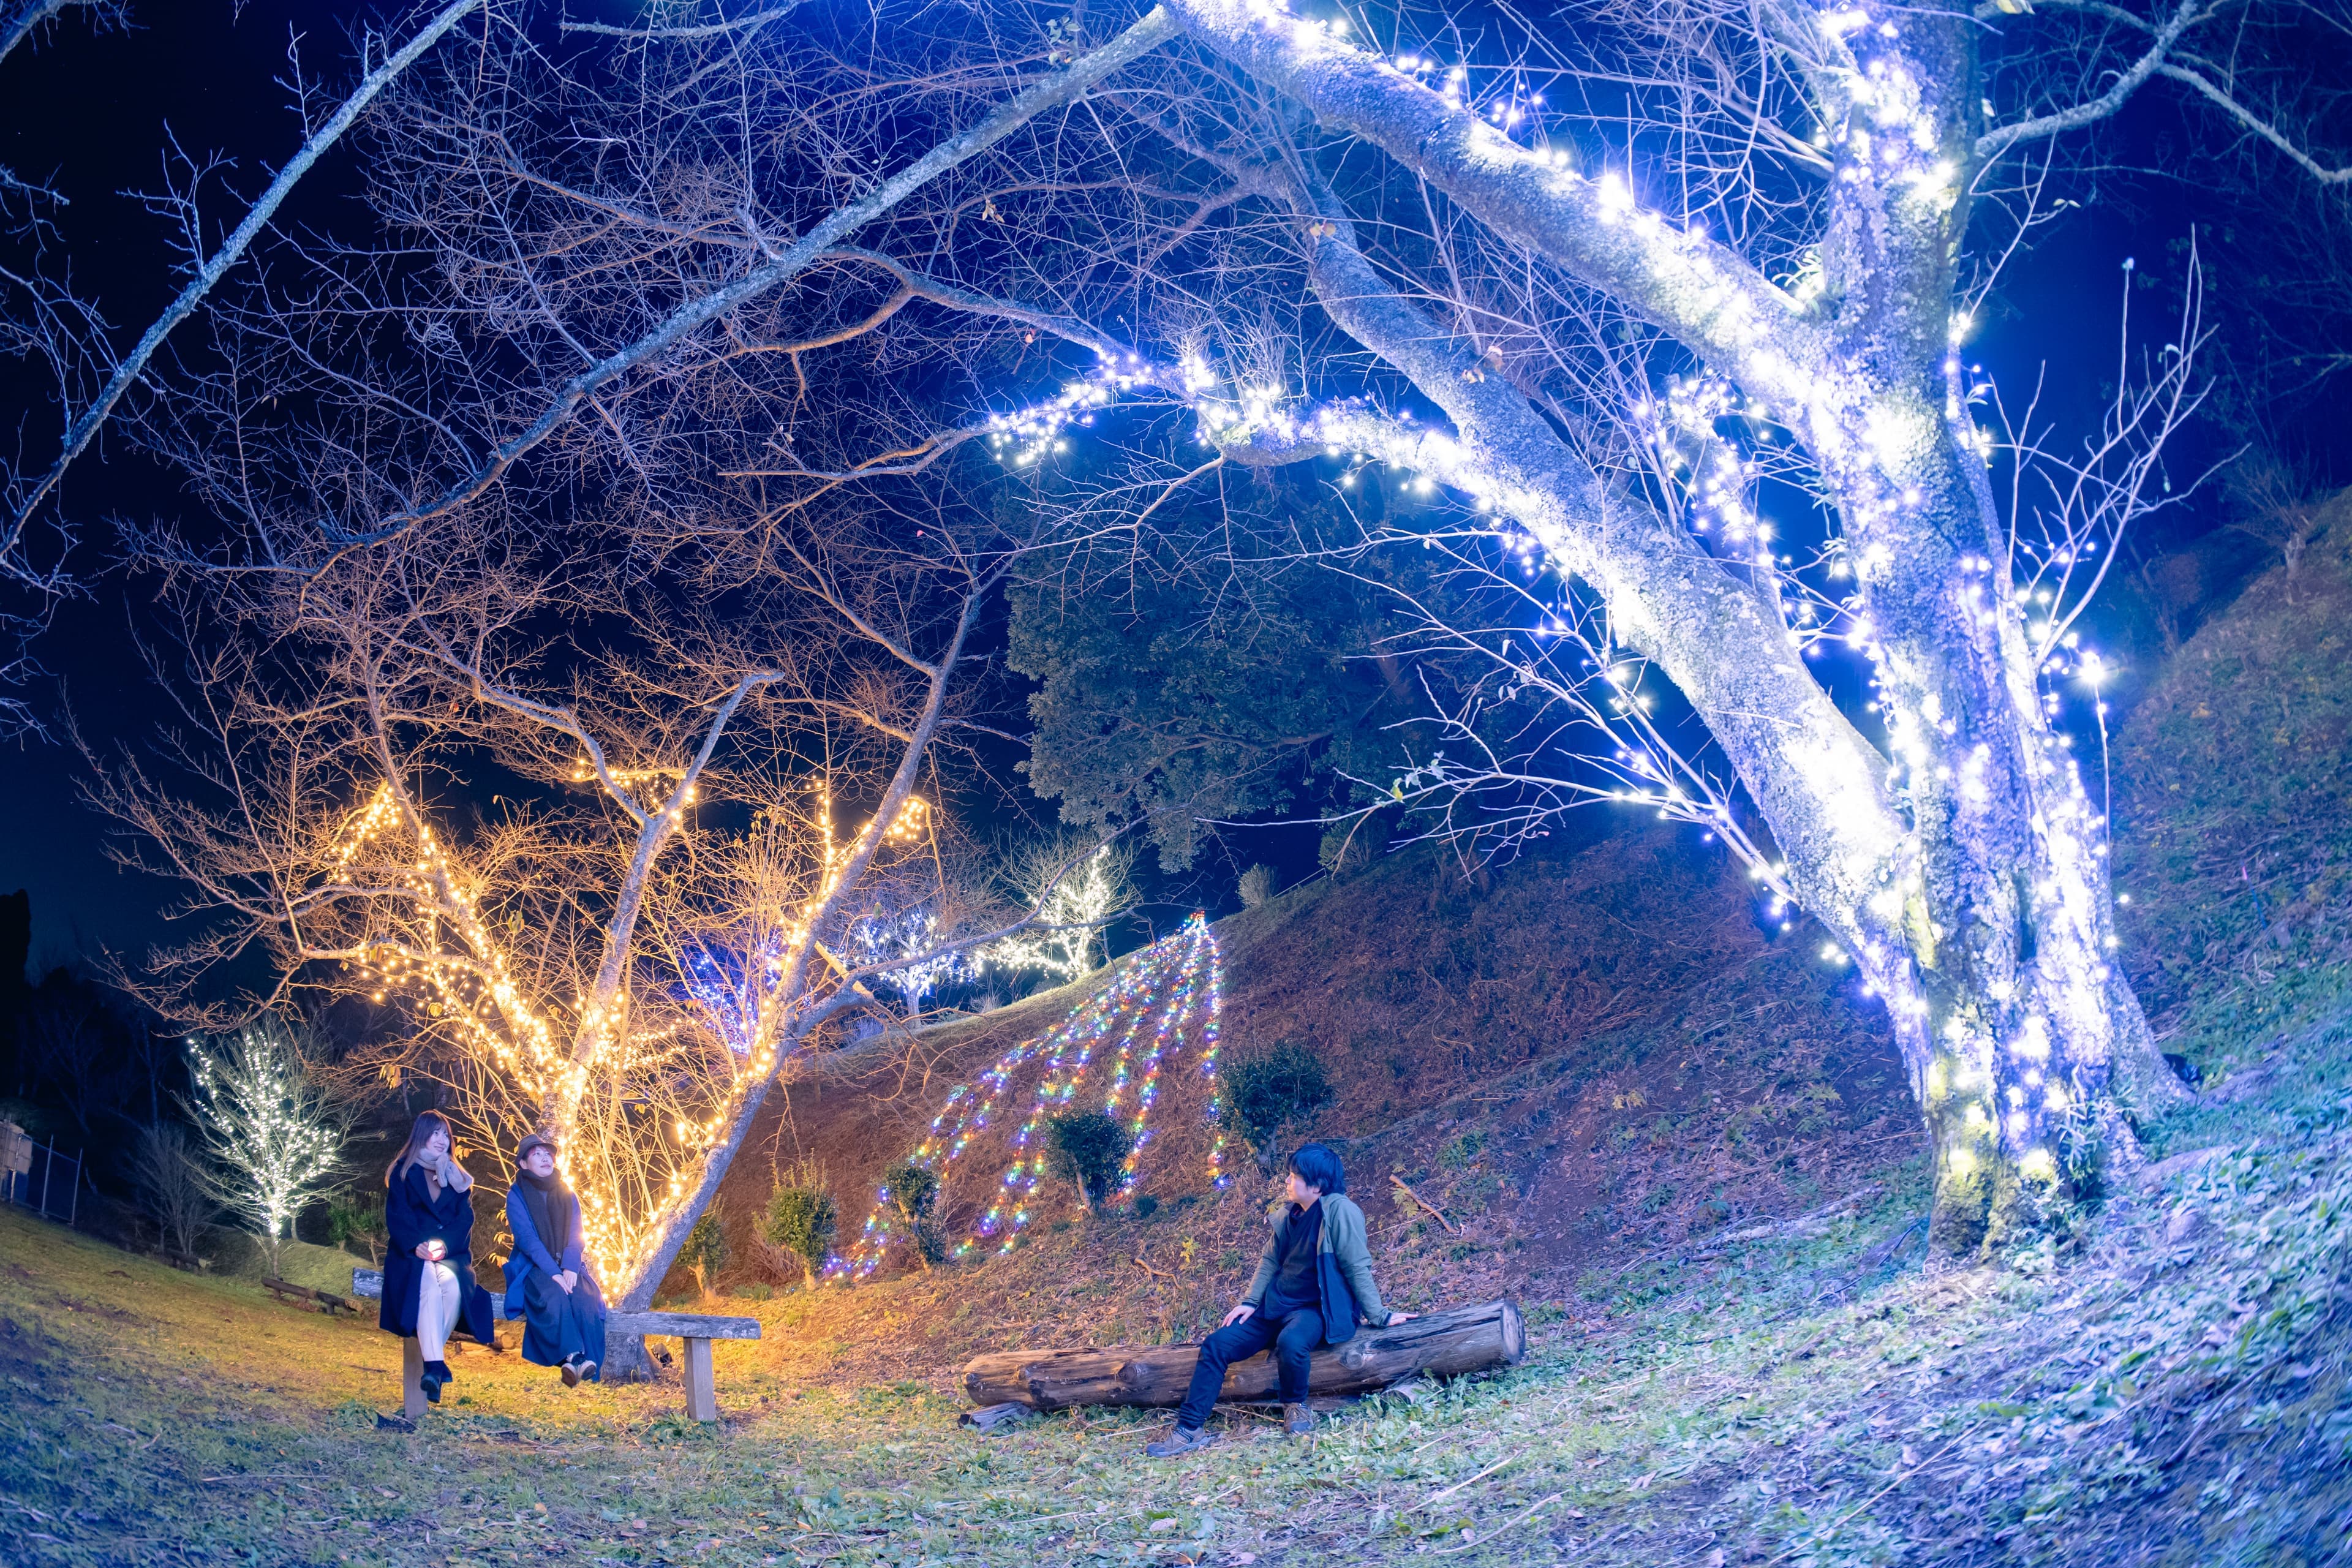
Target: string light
1162 1000
264 1121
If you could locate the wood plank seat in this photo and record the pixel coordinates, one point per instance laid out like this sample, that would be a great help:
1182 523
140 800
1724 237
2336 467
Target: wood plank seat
325 1301
696 1329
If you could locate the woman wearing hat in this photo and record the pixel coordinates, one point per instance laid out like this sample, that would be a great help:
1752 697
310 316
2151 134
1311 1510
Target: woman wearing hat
562 1310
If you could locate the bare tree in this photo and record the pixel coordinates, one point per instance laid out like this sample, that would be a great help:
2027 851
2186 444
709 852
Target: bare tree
170 1179
53 326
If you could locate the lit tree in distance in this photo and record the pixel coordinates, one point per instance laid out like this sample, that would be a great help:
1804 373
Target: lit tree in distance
1074 903
275 1138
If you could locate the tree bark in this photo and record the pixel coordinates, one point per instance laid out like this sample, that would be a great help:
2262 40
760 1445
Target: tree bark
1445 1344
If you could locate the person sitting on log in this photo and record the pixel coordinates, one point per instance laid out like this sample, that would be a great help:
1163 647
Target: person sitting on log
1314 1285
563 1309
429 1271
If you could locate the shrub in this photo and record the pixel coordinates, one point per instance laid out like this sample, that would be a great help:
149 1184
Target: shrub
803 1220
1264 1094
1347 848
705 1251
356 1214
914 1192
1088 1148
1256 886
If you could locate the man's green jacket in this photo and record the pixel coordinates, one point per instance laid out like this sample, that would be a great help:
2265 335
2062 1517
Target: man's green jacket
1343 1268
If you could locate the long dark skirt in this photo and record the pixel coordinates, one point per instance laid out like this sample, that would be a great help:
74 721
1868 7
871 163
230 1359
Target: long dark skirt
555 1326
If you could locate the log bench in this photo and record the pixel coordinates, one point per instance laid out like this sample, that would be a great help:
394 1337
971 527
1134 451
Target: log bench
697 1329
325 1301
1441 1344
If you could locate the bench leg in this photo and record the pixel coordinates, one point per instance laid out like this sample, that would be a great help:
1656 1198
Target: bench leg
701 1394
411 1378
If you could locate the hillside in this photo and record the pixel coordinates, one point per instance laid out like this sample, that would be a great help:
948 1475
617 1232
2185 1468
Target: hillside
1667 1129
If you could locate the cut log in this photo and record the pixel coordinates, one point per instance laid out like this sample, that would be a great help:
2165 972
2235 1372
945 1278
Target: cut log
1464 1339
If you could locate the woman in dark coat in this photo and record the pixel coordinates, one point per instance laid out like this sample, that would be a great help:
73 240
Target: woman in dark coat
563 1309
429 1271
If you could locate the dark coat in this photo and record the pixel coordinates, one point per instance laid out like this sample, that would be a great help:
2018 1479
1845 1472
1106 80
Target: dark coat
1343 1269
556 1325
411 1215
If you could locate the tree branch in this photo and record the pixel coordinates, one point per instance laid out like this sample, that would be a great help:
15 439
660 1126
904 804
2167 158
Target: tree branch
1705 294
1062 88
1993 143
79 433
706 30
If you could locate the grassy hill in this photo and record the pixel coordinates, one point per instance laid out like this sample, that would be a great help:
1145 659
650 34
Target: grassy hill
1667 1129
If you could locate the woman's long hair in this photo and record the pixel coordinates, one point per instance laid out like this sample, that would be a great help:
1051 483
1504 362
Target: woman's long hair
427 1123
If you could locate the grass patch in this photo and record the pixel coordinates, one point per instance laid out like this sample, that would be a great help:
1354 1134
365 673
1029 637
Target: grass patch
2178 1394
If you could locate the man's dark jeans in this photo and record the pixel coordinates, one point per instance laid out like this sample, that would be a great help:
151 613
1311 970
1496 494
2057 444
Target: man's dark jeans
1294 1332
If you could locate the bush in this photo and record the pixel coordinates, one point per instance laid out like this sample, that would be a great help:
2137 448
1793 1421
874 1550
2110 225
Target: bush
1347 848
914 1192
1265 1094
802 1219
1256 886
356 1214
705 1251
1088 1148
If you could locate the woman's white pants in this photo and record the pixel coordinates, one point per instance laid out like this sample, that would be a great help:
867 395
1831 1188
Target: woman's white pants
437 1310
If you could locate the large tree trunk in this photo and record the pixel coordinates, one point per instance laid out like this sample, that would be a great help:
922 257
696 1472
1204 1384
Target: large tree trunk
1463 1340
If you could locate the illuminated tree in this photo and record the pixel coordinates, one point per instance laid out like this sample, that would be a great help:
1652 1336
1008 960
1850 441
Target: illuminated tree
1076 891
274 1137
1687 288
577 719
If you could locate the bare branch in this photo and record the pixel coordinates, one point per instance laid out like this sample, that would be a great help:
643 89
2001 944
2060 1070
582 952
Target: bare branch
79 433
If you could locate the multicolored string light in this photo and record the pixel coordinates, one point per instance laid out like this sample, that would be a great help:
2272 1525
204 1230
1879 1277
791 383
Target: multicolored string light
1170 993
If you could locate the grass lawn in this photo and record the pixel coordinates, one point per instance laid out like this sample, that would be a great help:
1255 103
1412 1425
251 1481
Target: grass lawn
2176 1394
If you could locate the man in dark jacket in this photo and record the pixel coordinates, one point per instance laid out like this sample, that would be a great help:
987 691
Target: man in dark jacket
1314 1284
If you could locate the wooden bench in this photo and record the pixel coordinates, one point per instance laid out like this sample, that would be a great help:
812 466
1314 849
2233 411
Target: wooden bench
325 1301
697 1329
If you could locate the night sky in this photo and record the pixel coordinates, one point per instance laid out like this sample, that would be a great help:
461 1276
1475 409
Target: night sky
90 114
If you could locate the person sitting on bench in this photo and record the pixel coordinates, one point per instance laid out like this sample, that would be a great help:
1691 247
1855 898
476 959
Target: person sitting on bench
429 1271
1314 1284
563 1309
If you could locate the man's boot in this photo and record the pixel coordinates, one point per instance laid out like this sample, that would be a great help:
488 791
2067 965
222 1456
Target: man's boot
1299 1420
1183 1440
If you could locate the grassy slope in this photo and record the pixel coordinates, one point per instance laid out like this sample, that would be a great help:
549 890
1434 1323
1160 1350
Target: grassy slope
1711 1390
